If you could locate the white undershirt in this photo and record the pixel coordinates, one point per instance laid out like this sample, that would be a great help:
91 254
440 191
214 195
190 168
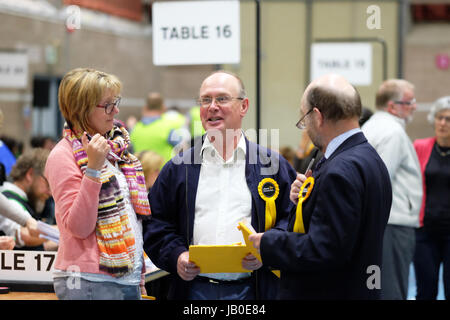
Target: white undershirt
223 199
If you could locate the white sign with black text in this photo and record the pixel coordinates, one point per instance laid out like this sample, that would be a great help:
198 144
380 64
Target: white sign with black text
196 32
13 69
27 266
351 60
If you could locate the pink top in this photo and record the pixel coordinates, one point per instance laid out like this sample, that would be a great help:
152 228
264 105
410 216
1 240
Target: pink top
76 205
423 149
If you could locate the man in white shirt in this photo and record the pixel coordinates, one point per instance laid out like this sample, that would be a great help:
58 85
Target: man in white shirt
26 194
385 131
202 201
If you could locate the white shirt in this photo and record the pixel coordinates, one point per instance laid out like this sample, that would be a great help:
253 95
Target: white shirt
8 226
386 133
223 199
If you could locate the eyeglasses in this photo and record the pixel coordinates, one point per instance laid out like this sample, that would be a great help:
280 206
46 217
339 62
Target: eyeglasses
407 103
109 107
221 101
301 123
440 118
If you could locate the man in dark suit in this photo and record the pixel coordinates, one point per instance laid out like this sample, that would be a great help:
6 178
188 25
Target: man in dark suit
333 246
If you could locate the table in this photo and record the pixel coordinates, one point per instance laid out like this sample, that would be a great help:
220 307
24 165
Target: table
28 296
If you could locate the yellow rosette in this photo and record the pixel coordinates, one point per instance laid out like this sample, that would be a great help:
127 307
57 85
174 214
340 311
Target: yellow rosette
268 190
298 225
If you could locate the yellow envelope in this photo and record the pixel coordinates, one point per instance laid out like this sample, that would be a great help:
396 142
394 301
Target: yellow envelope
218 258
247 230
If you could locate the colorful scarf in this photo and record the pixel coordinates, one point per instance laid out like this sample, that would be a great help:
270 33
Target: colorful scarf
115 237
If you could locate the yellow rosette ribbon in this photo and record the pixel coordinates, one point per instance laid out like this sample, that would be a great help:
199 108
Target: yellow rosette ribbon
298 225
268 190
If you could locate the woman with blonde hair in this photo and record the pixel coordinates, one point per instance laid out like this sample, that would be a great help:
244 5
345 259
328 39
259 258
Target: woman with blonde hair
99 192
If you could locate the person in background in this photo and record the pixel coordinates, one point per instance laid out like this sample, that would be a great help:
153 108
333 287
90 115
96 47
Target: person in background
306 151
196 129
288 153
13 144
201 195
48 212
18 216
433 236
7 243
335 236
385 131
27 193
158 130
7 158
100 194
151 165
45 142
365 115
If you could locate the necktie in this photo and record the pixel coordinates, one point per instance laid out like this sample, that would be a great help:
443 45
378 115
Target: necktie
319 164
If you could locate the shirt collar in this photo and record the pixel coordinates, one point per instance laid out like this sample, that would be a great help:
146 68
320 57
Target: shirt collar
337 141
239 153
12 187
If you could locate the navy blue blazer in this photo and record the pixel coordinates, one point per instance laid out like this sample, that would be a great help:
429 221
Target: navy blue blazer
344 217
169 231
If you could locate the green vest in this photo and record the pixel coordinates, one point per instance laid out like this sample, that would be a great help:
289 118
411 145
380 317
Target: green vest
195 125
154 137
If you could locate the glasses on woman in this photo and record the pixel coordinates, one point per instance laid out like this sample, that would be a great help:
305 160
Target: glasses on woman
109 107
222 101
439 118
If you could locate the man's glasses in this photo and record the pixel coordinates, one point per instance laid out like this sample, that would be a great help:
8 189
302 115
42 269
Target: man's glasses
109 107
221 101
301 123
407 103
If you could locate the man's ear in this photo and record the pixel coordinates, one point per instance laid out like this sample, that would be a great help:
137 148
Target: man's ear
390 108
29 175
244 106
318 117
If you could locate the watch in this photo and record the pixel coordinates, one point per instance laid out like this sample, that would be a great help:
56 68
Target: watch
92 173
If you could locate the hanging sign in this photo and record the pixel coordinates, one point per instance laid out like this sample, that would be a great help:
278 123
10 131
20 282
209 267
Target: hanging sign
196 32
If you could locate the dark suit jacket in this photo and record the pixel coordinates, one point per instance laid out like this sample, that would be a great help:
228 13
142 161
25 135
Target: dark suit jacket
172 198
344 217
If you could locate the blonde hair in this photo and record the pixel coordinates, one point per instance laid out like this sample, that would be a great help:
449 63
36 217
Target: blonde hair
80 91
1 118
151 161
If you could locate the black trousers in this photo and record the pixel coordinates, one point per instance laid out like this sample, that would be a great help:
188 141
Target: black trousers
432 249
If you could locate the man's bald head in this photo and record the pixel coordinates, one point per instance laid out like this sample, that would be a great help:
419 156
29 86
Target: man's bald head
334 96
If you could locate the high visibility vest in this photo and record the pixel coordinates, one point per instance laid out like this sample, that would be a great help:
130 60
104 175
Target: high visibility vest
153 136
195 125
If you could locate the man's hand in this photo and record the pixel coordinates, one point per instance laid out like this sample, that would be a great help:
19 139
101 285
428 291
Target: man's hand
32 227
256 239
297 184
250 262
7 243
186 269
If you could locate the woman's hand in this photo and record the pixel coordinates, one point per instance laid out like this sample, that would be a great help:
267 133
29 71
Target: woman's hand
97 149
